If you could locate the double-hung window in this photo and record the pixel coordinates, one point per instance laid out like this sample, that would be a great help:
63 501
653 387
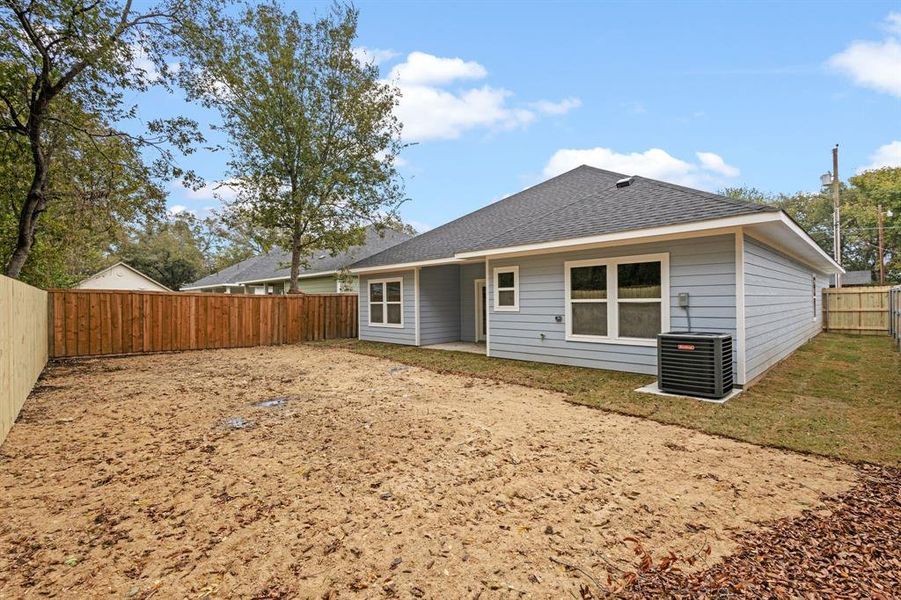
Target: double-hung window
621 300
506 288
386 302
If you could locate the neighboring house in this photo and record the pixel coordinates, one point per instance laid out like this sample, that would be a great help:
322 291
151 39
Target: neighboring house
269 273
121 277
852 278
587 268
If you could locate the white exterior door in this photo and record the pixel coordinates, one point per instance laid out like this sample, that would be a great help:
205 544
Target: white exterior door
480 301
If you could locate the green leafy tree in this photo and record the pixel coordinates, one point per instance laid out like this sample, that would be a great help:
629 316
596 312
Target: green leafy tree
85 52
313 134
860 199
99 189
874 190
169 250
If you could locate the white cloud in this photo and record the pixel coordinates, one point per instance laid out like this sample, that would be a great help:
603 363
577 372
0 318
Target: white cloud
141 61
709 172
218 191
874 65
374 56
419 226
556 108
714 162
893 23
888 155
177 209
430 110
432 113
427 69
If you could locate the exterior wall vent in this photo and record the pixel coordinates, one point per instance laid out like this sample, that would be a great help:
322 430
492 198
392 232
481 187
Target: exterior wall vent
695 364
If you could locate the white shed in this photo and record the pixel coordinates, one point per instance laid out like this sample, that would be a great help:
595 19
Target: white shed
121 277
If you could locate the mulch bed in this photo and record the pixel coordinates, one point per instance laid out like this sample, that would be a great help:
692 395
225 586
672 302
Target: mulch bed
849 549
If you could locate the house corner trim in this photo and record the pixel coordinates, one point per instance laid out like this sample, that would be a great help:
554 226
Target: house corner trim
740 356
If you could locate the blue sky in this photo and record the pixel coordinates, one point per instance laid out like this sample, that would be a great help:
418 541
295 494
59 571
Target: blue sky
501 95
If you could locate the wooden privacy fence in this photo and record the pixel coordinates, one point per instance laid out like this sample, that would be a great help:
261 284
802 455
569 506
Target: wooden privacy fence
862 310
23 346
98 322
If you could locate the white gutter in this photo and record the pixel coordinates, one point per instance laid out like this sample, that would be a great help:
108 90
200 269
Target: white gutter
682 230
632 236
286 278
409 265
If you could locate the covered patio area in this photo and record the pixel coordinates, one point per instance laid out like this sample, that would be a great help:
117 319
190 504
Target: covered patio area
471 347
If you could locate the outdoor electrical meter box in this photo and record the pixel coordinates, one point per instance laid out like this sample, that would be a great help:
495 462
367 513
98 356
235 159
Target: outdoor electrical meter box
695 364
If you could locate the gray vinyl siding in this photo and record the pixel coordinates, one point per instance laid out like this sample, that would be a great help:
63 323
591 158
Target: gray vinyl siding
779 310
395 335
468 275
439 304
703 267
318 285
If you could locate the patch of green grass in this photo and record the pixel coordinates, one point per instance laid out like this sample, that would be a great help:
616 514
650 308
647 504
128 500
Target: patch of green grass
837 396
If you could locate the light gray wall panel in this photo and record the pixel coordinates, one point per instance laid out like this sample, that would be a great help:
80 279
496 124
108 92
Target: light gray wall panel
703 267
439 304
779 305
395 335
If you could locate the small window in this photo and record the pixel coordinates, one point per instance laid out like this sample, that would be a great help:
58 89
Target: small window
506 288
814 281
386 303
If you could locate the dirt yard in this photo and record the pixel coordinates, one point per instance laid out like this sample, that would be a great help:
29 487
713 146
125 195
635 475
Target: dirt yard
158 476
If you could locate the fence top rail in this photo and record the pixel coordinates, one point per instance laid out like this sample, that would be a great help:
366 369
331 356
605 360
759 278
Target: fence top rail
201 294
863 289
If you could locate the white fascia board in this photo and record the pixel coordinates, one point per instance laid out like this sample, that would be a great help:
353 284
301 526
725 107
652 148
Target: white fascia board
287 278
797 230
208 286
408 266
629 236
682 230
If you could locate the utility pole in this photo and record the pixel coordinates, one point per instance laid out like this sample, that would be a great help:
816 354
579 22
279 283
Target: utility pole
836 216
880 223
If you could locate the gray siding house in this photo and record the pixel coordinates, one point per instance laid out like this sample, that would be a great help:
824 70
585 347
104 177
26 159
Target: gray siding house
587 268
270 273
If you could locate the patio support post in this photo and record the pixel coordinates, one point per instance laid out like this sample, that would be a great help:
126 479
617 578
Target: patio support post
488 293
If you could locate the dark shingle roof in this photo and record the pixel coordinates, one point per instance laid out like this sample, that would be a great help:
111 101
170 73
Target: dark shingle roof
276 264
578 203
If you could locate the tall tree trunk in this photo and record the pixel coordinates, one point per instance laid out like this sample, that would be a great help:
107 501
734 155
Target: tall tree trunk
35 200
296 245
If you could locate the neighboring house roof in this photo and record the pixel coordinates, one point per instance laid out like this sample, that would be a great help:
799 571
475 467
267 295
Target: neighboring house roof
275 265
102 275
855 278
582 202
588 206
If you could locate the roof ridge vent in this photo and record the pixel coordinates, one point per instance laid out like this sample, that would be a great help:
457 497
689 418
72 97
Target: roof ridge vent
625 181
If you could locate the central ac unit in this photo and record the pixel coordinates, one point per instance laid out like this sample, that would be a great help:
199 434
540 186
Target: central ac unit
695 364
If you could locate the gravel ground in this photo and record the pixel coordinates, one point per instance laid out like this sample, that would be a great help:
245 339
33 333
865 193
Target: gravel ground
158 476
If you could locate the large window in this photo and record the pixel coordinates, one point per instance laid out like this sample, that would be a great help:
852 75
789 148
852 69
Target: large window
506 288
623 300
386 305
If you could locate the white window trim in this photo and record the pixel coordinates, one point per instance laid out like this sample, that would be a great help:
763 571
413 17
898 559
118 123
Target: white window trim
497 290
385 302
816 301
613 300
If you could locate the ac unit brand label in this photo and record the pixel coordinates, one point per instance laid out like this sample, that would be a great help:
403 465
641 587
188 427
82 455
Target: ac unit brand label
686 347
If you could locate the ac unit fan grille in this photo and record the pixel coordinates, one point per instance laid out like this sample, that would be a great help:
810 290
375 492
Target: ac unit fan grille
695 364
